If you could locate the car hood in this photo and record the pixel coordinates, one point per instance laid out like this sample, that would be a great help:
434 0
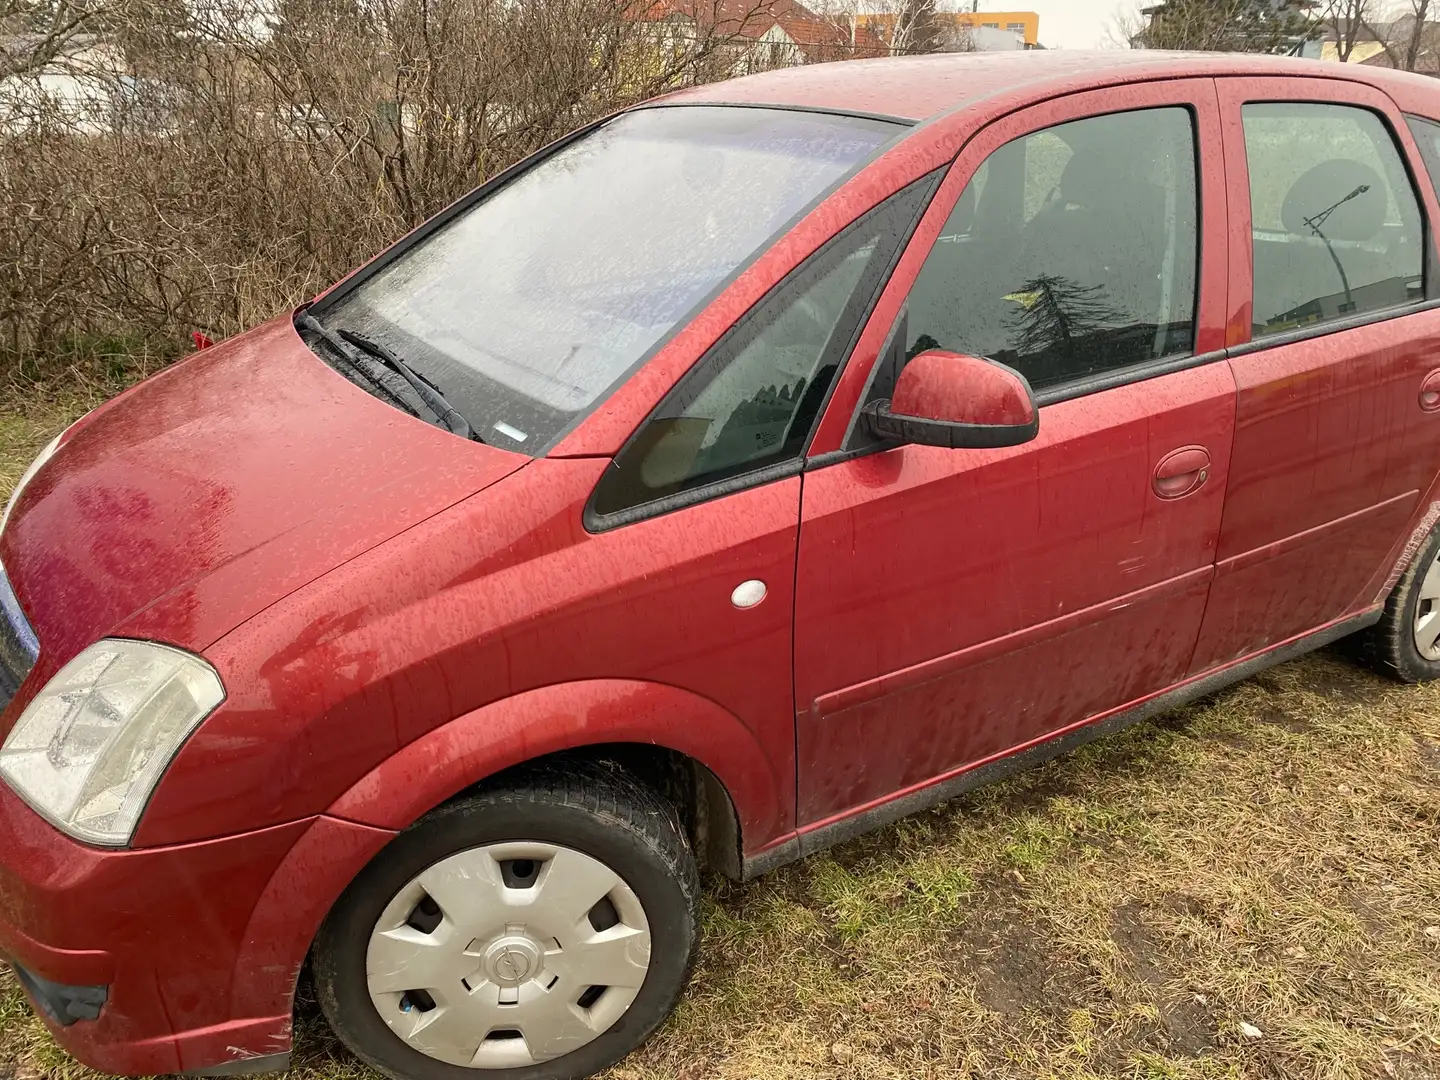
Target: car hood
198 498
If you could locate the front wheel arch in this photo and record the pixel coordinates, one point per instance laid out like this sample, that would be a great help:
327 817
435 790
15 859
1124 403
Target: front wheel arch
742 801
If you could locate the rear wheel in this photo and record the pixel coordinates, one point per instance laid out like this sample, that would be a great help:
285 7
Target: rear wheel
544 930
1405 643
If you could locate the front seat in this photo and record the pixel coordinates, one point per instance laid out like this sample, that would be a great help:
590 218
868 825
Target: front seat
1090 262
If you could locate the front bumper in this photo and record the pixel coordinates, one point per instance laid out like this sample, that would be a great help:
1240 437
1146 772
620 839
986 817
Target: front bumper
196 946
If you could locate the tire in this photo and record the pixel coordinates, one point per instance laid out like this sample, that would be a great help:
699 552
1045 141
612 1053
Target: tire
1390 646
546 833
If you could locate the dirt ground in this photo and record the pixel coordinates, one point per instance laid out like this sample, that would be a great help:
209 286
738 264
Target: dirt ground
1249 887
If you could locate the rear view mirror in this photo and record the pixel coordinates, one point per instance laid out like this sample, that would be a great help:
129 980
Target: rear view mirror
948 399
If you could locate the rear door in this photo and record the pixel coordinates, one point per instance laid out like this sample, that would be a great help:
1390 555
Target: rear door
1331 343
953 606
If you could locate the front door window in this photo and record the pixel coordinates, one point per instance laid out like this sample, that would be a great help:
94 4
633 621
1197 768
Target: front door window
1071 253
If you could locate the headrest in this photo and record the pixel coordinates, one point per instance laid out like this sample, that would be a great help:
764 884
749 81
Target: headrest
1353 193
1089 178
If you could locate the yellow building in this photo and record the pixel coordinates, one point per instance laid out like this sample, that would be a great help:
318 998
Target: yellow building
1024 22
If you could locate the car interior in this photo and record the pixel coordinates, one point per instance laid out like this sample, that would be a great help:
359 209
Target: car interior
1089 280
1337 253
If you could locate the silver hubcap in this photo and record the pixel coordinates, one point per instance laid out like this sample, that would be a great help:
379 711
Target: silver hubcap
1427 613
508 954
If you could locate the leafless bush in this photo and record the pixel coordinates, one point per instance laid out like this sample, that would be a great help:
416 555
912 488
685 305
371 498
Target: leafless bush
1402 35
173 166
1259 26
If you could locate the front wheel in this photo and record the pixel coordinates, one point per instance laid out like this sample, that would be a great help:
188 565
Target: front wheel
542 930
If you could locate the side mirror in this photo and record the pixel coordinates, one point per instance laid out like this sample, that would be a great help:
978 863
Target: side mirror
946 399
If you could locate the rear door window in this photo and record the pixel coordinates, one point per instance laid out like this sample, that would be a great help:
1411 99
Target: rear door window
1335 225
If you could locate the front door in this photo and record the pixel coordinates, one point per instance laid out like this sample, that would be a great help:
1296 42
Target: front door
1331 353
954 605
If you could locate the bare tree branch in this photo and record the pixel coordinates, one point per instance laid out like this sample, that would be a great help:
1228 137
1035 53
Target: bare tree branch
223 160
1348 22
43 31
1406 40
1223 26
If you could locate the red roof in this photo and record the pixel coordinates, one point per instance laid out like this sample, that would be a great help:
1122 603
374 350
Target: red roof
919 87
819 38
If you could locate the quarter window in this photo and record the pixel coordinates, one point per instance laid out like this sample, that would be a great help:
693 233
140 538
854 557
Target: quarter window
1071 253
1427 137
1335 225
752 401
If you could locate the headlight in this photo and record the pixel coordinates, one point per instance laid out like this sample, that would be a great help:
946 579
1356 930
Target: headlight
89 749
28 475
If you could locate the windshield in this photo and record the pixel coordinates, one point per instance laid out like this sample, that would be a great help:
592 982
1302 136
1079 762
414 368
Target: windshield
529 306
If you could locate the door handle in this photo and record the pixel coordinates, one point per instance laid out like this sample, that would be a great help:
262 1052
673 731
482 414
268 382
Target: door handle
1181 471
1430 391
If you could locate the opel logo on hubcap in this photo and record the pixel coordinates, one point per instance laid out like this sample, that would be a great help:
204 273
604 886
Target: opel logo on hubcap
512 959
512 965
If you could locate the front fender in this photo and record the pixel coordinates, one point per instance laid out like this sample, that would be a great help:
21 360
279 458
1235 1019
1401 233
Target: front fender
566 716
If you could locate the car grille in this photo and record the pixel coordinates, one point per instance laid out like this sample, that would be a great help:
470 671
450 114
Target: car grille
18 644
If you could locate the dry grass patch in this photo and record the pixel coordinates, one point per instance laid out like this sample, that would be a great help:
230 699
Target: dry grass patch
1243 888
1249 887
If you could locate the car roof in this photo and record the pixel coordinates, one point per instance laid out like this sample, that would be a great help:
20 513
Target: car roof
916 88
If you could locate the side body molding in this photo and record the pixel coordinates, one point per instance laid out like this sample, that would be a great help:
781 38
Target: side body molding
567 716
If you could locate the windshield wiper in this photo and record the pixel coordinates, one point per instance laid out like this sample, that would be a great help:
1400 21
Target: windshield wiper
428 393
367 366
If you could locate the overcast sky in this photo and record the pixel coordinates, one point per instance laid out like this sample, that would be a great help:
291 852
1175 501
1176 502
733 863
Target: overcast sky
1068 24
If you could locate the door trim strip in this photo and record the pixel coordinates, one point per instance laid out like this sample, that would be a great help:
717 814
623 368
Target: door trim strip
1295 541
835 830
940 666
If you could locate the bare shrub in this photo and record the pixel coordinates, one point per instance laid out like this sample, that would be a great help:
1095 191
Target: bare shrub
183 166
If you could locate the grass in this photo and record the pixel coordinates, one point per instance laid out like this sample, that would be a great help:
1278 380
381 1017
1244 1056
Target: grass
1249 887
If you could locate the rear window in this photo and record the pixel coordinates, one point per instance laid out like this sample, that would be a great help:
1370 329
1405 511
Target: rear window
530 305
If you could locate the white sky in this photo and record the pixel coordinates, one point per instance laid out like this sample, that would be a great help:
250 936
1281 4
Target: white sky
1067 24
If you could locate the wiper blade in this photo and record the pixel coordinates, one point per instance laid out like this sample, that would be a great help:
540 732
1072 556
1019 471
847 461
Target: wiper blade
428 394
428 391
365 365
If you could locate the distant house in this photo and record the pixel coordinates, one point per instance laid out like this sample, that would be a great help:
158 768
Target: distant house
1024 23
991 39
762 34
1364 41
1401 34
966 31
1304 45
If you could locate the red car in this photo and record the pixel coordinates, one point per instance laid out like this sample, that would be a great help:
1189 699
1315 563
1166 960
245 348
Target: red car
738 474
